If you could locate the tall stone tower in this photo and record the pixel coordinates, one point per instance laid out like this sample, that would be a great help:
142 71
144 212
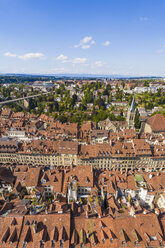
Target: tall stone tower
25 101
131 114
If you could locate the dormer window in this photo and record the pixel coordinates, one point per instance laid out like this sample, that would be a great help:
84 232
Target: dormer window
27 223
136 243
103 240
153 238
43 181
61 243
53 243
41 244
124 243
87 180
24 244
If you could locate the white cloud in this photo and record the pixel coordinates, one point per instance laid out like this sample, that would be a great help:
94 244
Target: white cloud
31 56
106 43
85 46
93 42
160 51
79 60
144 18
61 58
99 63
8 54
85 43
86 39
59 70
64 59
26 56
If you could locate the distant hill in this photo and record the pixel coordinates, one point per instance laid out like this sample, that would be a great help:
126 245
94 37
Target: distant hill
71 76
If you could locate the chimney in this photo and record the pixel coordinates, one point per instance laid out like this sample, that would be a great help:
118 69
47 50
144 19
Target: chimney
46 210
144 212
150 176
91 168
132 211
157 212
35 226
86 214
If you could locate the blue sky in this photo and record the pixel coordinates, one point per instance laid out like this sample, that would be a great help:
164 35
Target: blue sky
124 37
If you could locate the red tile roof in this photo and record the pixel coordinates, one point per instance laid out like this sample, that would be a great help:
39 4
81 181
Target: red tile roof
157 123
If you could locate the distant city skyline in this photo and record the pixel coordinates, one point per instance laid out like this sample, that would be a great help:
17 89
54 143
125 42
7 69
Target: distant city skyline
121 37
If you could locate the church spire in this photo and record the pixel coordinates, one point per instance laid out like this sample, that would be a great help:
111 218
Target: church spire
131 114
133 104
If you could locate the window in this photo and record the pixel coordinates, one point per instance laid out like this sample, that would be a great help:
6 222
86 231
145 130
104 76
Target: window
61 243
153 238
53 243
41 244
124 243
136 243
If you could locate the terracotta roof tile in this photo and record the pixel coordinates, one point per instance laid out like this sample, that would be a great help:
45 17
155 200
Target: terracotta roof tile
157 123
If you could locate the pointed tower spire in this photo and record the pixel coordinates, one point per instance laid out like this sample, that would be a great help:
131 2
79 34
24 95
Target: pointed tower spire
131 114
132 108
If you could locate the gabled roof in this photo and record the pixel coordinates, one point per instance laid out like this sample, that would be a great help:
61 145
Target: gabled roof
157 123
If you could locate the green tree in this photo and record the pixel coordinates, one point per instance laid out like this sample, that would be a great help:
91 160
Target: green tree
106 92
119 95
137 120
100 103
158 93
99 116
108 87
88 96
123 84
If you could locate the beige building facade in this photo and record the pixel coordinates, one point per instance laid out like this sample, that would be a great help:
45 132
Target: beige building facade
53 160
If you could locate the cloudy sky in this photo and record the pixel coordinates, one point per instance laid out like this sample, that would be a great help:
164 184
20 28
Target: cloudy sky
124 37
